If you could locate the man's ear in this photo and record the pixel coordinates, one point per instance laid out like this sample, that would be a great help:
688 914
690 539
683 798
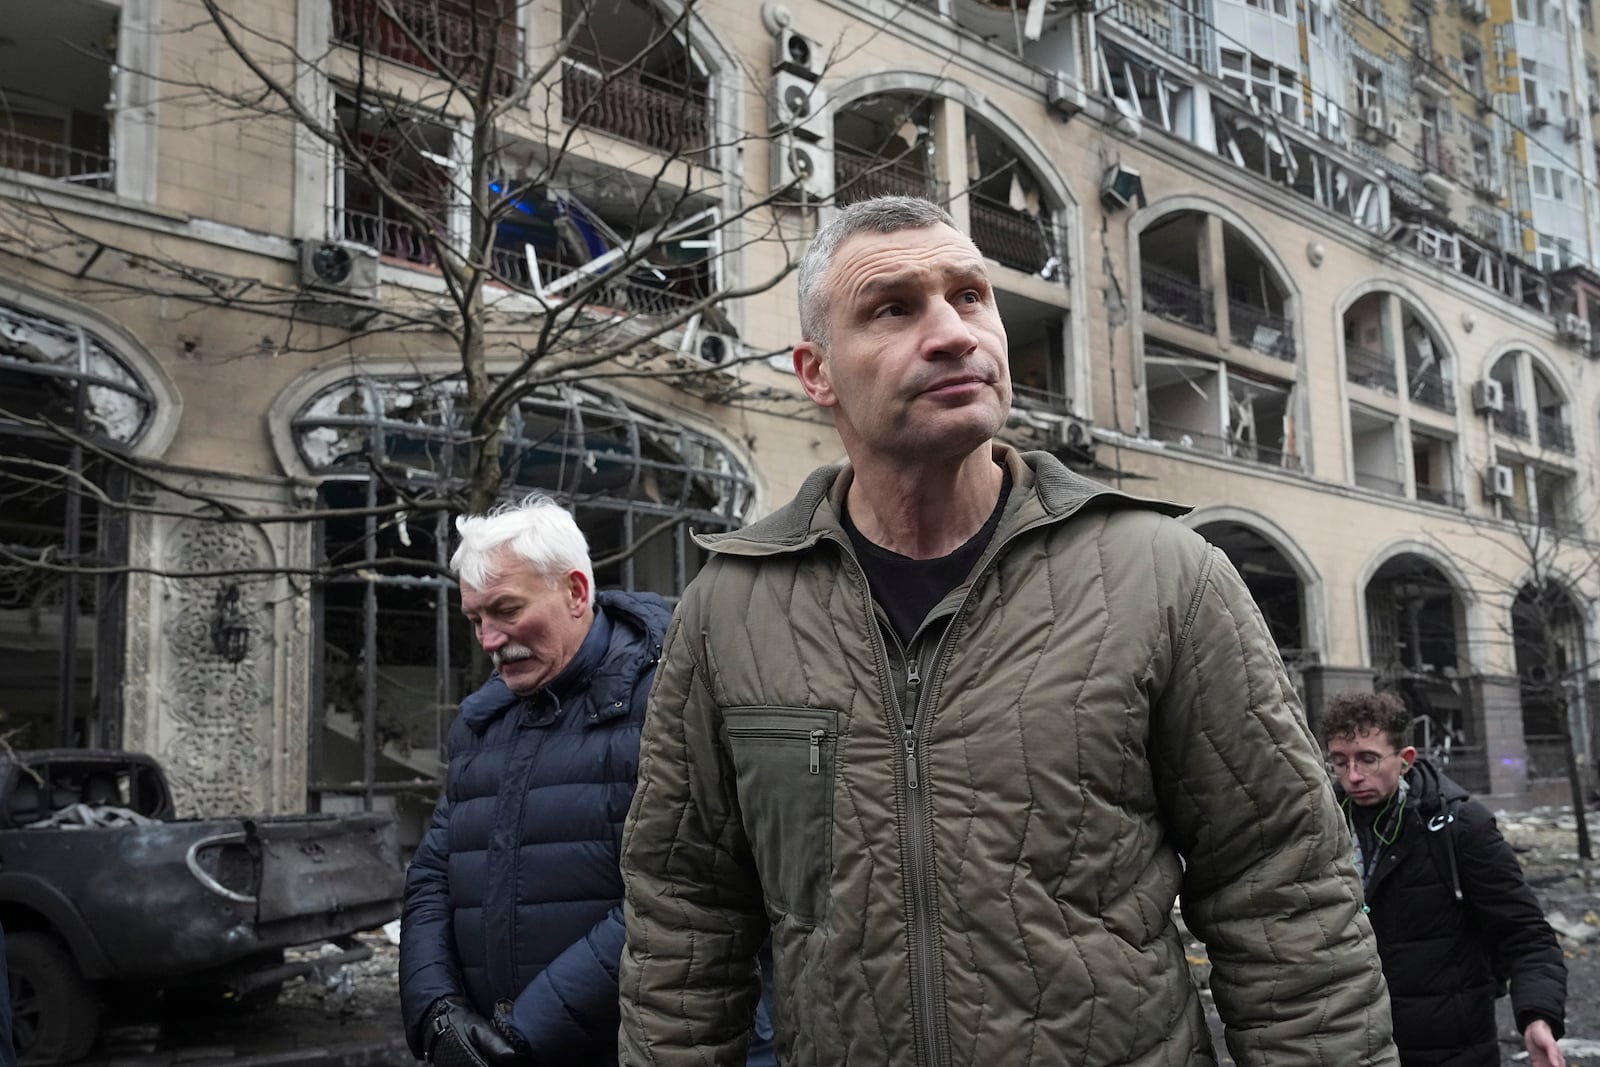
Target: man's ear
579 593
1408 756
811 367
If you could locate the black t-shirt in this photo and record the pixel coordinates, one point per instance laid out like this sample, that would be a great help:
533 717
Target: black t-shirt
907 589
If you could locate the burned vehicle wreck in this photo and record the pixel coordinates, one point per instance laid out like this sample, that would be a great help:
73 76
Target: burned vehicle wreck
110 902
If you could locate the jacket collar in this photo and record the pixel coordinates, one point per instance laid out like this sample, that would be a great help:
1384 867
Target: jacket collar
1043 489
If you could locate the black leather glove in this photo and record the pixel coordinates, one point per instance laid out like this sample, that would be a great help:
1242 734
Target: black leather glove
460 1037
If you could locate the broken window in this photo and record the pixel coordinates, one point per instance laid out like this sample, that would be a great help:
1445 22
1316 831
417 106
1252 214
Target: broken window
1274 584
68 406
883 145
1433 470
1366 358
1255 299
1547 633
1414 623
1374 455
414 157
1207 405
1429 370
55 114
1037 334
1555 431
630 73
396 657
1512 418
1011 219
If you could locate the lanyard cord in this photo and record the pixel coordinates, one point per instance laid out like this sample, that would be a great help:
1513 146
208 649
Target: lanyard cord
1377 822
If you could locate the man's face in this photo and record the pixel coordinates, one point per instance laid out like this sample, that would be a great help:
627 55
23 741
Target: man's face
531 627
1368 766
915 366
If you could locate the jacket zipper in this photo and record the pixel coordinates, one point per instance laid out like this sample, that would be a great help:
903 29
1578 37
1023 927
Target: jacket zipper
814 738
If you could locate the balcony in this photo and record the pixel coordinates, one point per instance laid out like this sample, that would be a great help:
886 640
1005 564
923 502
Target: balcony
1450 498
1555 434
1429 389
861 175
31 155
631 105
1511 420
1555 521
1033 399
1363 366
1013 238
1381 483
1261 330
393 238
452 36
641 292
1177 299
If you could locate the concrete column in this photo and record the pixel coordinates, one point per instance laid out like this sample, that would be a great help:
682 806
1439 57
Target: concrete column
1214 275
1324 680
1494 709
950 160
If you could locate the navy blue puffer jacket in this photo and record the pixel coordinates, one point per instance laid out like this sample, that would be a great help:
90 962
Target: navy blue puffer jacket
515 893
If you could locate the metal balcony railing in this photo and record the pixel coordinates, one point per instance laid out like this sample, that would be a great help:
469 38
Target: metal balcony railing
861 175
1027 396
1429 389
392 238
1555 434
1363 366
1555 519
75 166
1381 483
666 115
1014 239
1450 498
1219 445
434 36
1512 420
1177 299
1261 330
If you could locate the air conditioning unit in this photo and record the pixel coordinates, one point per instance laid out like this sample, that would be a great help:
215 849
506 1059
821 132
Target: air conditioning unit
1121 186
802 170
1074 435
795 53
1574 328
1571 129
1391 130
1062 96
714 349
1475 10
1488 395
797 105
1538 116
1372 117
340 267
1498 482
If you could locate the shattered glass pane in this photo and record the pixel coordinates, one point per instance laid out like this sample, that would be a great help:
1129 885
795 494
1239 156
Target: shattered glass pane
118 404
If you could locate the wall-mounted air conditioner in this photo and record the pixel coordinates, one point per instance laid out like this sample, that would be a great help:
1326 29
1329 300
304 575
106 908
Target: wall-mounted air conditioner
1538 116
1475 10
1570 128
1574 328
1499 483
1391 130
801 169
1488 395
339 266
713 349
1062 96
797 105
798 54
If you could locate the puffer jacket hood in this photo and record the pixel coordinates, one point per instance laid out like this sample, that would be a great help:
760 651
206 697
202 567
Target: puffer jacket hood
968 849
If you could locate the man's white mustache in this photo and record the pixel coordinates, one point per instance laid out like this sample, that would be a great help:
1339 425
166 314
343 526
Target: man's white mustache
510 654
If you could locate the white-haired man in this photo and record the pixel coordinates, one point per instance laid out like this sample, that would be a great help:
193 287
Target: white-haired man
513 921
962 725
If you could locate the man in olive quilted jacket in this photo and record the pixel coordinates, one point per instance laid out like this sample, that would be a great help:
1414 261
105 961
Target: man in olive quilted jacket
960 726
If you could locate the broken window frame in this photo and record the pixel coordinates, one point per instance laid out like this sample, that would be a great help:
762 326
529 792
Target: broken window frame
1220 384
66 459
400 133
68 158
613 463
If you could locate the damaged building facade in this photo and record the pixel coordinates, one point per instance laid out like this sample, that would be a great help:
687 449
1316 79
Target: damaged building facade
1326 272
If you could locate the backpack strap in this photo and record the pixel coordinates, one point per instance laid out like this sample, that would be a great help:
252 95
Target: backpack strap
1443 823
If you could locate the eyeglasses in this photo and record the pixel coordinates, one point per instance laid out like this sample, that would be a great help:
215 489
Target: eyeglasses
1366 761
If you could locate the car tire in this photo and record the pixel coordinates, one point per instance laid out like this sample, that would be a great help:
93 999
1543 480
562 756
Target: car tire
55 1016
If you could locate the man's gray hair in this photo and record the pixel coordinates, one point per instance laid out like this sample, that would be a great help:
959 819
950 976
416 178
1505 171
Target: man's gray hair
881 214
538 531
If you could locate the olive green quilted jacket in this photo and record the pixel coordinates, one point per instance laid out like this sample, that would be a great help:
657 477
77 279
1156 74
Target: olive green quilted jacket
1101 724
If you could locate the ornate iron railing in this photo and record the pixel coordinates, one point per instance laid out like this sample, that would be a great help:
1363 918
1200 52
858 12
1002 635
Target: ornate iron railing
434 36
1555 434
1014 238
1219 445
1429 389
392 237
1363 366
1512 420
861 175
1176 298
32 155
1261 330
669 116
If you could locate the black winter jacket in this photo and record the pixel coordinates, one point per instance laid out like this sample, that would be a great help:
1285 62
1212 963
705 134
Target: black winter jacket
1439 952
515 892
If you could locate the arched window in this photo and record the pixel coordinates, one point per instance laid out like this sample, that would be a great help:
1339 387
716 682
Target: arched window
69 405
396 656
